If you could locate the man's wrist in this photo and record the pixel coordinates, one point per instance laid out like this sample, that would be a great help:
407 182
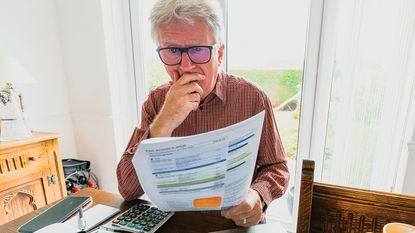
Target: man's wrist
158 133
263 204
156 130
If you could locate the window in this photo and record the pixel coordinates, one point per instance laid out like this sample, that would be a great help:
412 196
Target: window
374 53
155 73
265 44
358 85
366 85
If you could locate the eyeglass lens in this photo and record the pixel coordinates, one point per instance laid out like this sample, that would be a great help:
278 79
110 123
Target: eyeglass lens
173 56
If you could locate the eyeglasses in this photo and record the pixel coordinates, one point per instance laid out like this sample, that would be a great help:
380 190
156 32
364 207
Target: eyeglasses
172 56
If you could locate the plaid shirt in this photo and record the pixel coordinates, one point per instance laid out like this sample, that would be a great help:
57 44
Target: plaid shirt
233 99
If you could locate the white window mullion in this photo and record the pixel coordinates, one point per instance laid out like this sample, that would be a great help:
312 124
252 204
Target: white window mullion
137 29
308 95
405 136
119 64
323 88
225 8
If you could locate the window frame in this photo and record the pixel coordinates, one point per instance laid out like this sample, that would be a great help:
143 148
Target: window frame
315 95
308 134
119 57
140 74
316 99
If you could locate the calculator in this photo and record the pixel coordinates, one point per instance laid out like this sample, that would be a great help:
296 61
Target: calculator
141 218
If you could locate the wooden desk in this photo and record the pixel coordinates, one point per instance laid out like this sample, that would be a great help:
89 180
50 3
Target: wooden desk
180 222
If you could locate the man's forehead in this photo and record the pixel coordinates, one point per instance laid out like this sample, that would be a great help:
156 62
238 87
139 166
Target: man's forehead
179 33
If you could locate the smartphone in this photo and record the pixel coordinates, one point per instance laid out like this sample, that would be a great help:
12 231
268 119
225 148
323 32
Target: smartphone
57 213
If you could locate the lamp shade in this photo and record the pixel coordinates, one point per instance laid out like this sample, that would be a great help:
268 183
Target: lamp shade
11 71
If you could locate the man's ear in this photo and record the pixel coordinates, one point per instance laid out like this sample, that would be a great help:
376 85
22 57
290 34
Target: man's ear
221 50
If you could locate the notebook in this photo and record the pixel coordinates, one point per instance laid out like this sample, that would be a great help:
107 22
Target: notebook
94 216
58 227
56 213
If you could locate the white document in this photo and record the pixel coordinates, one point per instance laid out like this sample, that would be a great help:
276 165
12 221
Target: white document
58 227
94 216
209 171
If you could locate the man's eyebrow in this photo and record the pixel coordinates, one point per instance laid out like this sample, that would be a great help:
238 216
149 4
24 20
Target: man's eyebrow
170 43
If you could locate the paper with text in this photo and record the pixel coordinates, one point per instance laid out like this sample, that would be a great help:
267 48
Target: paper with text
209 171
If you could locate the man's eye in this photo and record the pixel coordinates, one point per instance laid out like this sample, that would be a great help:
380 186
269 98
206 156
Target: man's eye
197 49
173 50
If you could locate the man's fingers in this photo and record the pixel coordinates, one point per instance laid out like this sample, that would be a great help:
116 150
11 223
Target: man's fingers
195 105
248 212
235 213
193 87
225 214
187 83
190 77
198 88
251 214
243 208
194 97
176 76
247 215
249 220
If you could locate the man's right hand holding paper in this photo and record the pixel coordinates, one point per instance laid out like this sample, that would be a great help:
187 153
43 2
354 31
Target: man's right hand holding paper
183 97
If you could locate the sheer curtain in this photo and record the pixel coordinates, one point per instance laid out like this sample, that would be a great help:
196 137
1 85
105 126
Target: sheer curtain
366 50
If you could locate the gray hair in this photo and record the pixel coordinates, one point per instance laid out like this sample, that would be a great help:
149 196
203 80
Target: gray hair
166 11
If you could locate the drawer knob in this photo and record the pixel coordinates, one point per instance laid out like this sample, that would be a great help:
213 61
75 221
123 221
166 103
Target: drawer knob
32 158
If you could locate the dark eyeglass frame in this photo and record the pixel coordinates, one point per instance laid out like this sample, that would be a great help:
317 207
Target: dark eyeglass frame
182 50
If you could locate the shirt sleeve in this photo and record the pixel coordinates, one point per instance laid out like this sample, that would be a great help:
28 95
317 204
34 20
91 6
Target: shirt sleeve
128 184
271 174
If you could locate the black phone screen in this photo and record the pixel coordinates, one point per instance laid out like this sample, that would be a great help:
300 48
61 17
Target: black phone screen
55 214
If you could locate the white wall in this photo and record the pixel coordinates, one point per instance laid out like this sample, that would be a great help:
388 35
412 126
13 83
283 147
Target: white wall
29 32
63 45
85 65
98 62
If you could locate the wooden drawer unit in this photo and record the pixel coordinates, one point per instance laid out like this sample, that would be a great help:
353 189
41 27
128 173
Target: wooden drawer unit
31 175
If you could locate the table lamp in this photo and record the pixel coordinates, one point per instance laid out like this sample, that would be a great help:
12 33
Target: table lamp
12 125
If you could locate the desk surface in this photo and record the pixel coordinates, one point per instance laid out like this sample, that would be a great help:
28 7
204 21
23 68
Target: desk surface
180 222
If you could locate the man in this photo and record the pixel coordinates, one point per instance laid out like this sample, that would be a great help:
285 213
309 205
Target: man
200 98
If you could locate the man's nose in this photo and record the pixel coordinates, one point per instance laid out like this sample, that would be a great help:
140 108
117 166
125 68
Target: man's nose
186 63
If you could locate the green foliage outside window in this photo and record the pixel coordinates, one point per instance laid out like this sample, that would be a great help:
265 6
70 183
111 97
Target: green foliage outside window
280 85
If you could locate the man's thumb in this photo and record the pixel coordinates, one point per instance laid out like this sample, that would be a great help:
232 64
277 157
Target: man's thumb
176 76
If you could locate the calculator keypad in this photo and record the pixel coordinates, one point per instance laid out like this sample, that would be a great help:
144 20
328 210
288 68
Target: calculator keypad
142 218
